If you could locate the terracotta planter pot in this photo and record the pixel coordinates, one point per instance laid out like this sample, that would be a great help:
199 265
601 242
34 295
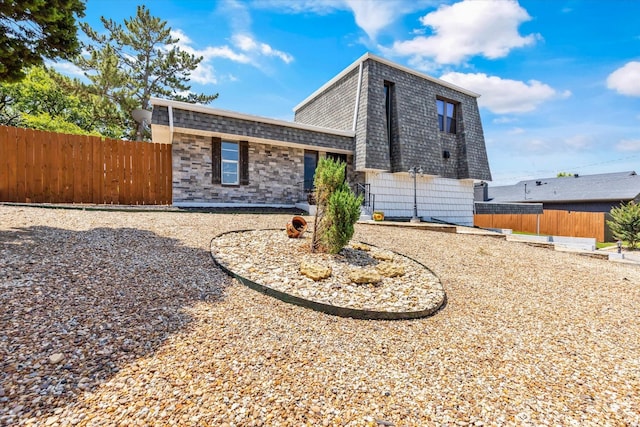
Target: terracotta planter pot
296 227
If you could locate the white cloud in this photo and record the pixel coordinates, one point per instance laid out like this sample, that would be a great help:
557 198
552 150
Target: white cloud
504 96
209 52
628 145
245 50
516 131
66 68
504 120
626 80
204 74
537 145
319 7
247 43
371 16
578 142
469 28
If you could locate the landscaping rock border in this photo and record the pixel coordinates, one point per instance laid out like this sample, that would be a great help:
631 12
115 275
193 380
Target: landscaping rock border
331 309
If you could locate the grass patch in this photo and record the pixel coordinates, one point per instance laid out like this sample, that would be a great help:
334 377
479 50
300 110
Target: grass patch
526 233
602 245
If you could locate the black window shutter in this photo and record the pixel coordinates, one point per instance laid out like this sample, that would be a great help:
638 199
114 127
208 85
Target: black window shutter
244 162
216 160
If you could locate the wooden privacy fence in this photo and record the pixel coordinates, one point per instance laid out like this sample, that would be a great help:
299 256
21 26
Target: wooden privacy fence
552 222
47 167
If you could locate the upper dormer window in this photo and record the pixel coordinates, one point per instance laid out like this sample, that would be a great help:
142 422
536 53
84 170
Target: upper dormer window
446 116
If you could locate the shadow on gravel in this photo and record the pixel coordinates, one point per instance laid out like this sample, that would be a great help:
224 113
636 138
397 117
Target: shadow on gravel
75 306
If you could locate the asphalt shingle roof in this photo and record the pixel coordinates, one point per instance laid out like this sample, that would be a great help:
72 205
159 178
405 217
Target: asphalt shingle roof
620 186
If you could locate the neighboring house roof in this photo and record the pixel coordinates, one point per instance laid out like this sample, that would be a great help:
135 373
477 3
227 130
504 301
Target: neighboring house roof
615 187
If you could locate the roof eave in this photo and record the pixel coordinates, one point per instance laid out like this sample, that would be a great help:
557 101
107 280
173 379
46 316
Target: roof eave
376 58
199 108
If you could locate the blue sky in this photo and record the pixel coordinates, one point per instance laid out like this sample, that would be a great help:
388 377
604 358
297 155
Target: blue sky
560 80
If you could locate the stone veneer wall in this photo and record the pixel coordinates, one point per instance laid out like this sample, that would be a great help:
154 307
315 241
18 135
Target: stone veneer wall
334 107
275 174
417 140
420 143
445 199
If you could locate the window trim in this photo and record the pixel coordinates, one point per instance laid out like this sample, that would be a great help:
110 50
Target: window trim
229 161
388 105
444 125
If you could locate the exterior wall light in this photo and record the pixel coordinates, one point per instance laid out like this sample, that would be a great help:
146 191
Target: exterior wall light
414 172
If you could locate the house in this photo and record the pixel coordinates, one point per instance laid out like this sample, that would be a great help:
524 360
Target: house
577 193
379 117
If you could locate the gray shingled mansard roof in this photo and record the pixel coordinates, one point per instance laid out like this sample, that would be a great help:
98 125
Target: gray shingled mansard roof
615 187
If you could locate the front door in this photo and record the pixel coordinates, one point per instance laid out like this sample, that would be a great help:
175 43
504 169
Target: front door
310 164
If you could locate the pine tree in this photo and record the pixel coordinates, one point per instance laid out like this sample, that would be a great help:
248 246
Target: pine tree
129 64
625 223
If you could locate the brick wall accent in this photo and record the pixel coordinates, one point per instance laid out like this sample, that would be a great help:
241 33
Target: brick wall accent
274 174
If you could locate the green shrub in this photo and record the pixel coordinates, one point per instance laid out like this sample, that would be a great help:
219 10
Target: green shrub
343 210
337 208
625 224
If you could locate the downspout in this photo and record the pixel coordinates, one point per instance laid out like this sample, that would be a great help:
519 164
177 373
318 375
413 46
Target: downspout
355 111
355 115
170 110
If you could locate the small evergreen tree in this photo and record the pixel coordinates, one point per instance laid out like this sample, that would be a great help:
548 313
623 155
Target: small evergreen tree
625 223
337 208
343 210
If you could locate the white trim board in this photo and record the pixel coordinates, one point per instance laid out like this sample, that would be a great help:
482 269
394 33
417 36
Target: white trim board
162 132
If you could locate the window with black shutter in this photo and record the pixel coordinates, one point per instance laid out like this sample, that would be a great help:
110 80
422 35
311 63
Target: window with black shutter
229 162
216 160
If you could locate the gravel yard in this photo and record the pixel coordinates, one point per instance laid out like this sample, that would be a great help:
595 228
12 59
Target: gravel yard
113 318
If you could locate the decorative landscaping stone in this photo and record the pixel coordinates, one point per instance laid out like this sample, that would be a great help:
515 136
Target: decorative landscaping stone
360 246
363 276
276 261
382 256
56 358
314 271
390 269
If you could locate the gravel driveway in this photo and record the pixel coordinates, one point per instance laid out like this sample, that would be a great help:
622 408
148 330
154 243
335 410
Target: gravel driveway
112 318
